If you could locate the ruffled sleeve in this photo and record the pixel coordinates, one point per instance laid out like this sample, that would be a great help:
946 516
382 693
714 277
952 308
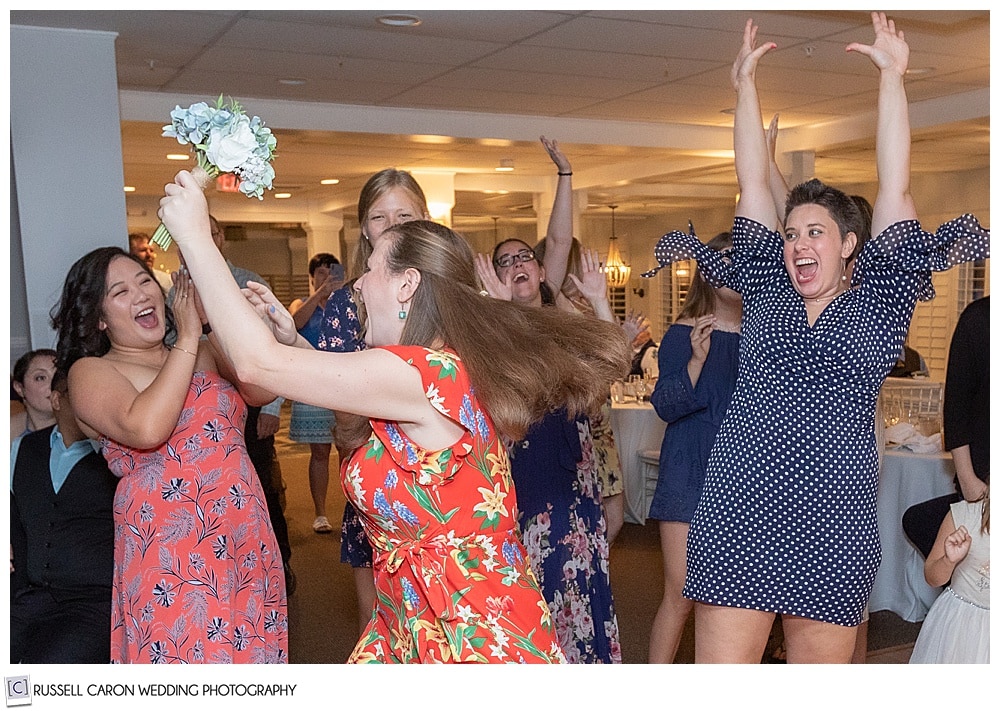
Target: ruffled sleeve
905 248
447 387
756 254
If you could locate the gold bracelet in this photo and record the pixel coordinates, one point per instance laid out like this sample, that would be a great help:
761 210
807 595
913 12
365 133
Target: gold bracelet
185 350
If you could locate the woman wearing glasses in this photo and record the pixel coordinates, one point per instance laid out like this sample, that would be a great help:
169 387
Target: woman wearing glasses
555 472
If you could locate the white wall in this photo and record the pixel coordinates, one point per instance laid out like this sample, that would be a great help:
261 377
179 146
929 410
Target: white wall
65 137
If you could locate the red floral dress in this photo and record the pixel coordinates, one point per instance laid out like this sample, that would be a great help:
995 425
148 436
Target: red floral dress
198 575
452 579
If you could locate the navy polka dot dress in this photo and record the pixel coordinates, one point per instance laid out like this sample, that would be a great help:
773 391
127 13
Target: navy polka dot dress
786 522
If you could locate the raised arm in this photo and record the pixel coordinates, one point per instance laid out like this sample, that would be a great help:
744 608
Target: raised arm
749 142
779 188
559 236
374 383
302 309
891 55
593 284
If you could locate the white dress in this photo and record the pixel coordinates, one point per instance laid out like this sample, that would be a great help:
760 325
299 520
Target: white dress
957 627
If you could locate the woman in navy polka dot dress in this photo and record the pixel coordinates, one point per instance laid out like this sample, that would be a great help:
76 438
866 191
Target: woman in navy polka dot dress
786 523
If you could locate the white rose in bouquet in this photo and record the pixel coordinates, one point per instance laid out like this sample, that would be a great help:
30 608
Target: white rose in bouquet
224 140
229 145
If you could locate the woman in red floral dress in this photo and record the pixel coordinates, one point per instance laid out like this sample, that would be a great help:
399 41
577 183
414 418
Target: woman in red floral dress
448 372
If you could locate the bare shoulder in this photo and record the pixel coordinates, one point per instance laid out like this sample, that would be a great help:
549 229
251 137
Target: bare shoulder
104 376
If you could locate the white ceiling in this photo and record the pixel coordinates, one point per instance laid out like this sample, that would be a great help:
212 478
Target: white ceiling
636 98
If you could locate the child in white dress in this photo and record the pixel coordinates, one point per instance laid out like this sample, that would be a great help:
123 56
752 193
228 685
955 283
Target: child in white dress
957 627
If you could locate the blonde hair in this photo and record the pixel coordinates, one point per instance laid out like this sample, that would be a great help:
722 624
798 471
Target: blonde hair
523 361
374 188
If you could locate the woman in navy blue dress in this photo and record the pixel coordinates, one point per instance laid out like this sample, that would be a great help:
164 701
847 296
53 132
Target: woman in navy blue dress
554 467
698 358
786 523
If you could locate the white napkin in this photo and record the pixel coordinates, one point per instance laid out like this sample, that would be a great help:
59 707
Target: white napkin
905 436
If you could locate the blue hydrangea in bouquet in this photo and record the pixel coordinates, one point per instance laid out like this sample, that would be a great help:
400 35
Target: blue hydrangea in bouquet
224 140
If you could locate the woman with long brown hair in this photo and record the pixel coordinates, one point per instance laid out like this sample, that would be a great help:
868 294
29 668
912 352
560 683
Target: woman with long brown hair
389 197
447 374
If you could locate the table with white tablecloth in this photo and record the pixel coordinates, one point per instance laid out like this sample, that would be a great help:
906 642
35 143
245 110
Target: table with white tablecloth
637 429
906 479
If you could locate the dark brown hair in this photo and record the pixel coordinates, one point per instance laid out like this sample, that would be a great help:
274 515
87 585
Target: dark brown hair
75 318
844 209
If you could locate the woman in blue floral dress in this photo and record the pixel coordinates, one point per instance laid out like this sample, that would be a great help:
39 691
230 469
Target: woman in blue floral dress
563 524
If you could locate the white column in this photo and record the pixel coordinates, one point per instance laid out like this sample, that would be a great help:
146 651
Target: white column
66 159
801 167
543 208
543 201
323 234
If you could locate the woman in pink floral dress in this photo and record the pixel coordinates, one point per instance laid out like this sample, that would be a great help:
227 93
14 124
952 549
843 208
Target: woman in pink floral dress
197 575
441 382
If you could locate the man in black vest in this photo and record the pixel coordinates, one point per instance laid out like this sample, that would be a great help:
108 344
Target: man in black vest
62 543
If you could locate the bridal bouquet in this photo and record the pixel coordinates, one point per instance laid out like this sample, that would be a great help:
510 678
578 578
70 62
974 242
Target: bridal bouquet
224 140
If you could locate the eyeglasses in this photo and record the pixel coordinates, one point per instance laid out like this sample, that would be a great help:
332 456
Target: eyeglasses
509 260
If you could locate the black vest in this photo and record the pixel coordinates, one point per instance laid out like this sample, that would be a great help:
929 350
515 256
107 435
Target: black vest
65 540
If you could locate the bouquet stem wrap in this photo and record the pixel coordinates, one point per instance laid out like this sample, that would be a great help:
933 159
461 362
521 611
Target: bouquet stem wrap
204 178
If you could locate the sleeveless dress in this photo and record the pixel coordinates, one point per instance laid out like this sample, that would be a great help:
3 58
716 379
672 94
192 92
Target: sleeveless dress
957 627
198 575
786 521
452 579
564 529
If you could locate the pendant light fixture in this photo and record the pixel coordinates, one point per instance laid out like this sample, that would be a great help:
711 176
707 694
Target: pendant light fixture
616 271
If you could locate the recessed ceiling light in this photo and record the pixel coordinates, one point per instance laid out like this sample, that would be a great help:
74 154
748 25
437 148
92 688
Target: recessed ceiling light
506 165
130 188
399 20
177 156
919 71
282 196
432 139
329 181
292 82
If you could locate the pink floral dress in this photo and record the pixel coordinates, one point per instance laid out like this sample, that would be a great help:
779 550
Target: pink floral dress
198 575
